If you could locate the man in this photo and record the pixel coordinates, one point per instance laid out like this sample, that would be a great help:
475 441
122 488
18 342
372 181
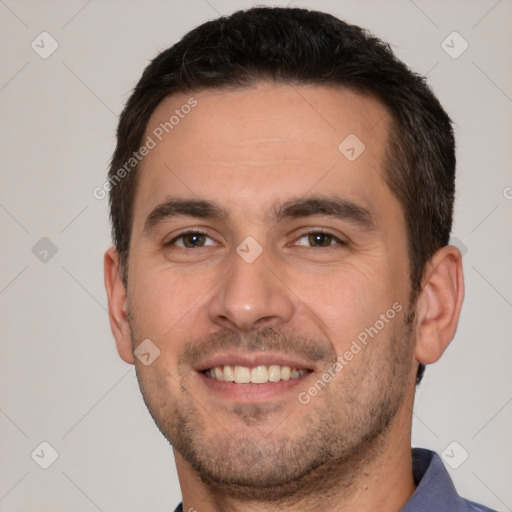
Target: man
281 197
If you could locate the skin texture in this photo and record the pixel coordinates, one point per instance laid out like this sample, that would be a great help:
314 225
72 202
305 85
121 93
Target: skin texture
251 150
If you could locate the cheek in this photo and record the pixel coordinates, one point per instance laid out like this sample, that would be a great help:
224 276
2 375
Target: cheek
358 308
166 304
346 299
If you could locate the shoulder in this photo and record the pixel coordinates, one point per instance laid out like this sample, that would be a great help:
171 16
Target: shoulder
435 489
475 507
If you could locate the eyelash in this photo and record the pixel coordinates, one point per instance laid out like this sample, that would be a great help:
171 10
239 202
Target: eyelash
339 241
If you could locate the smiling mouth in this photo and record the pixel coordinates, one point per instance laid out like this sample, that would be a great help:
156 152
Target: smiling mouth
260 374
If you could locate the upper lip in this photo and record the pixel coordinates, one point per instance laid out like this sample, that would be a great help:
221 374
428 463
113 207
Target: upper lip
252 359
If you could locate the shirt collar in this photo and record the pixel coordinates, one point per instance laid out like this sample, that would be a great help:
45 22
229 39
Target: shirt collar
435 489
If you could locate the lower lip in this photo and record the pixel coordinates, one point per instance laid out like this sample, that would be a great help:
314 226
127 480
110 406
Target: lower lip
252 393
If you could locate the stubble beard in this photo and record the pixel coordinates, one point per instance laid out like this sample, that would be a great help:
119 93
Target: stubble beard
330 449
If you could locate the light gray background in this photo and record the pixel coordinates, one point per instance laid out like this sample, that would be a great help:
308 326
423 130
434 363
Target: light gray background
61 380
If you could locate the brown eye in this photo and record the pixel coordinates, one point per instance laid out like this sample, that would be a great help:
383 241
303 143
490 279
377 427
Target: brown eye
191 240
320 239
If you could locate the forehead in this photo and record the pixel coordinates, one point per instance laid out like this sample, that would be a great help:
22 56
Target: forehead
251 148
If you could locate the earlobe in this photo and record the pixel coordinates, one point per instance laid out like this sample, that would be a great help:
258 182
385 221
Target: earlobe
117 305
439 304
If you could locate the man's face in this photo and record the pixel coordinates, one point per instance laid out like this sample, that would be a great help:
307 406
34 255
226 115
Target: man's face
300 250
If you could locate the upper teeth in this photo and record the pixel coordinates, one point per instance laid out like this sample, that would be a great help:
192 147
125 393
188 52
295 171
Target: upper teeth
256 375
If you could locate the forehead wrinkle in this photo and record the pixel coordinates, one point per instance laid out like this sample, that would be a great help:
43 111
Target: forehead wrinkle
259 140
258 163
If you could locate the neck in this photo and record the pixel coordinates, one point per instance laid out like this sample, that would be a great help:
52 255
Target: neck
381 482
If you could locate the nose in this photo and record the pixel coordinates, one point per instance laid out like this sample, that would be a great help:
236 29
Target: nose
251 296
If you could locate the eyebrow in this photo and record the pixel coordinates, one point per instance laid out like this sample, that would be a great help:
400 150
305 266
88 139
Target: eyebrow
172 208
335 207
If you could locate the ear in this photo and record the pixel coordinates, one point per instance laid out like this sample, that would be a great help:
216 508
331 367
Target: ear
117 304
439 304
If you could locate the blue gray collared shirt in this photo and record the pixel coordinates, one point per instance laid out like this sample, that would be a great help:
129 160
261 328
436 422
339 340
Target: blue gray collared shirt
435 491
